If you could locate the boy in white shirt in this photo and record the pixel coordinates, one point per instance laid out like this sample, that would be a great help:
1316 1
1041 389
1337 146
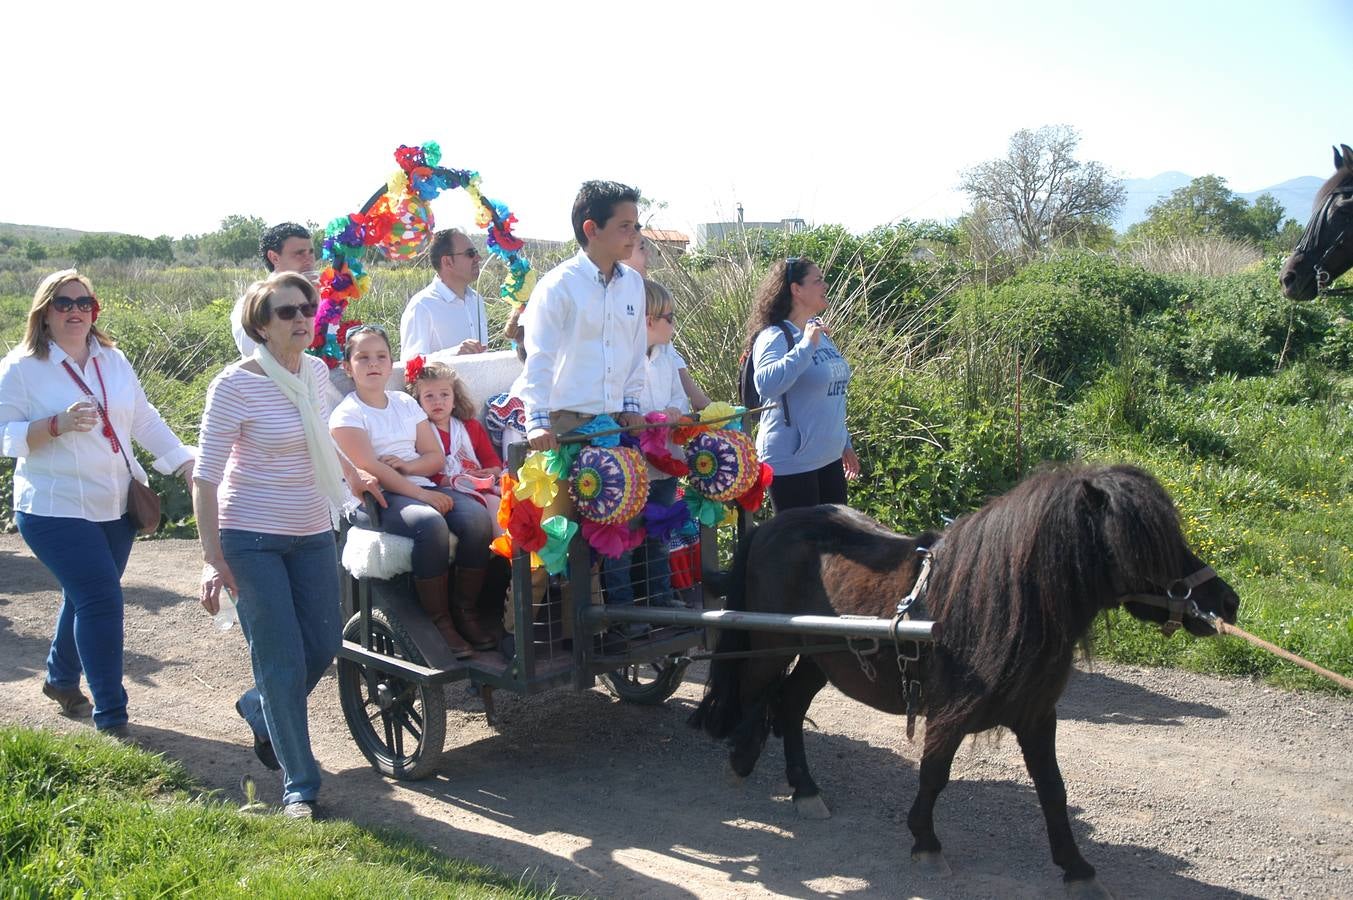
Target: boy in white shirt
585 329
586 335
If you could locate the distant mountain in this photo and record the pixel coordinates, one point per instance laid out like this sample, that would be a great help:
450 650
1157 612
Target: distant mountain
43 234
1296 195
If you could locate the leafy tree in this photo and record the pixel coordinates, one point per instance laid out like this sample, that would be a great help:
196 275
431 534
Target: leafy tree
1207 207
236 240
1041 193
33 251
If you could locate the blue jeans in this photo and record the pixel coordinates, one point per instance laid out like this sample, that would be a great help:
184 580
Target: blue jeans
618 574
468 520
88 559
291 616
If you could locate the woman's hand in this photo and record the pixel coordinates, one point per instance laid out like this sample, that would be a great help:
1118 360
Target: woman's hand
438 501
82 415
814 330
851 463
216 575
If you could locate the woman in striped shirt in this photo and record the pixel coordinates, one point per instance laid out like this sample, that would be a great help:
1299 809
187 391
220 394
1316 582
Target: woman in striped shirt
269 483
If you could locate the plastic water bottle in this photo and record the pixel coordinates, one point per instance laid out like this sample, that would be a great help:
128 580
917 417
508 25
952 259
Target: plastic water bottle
226 616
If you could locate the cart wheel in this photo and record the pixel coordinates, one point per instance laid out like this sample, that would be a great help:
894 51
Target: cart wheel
648 683
398 725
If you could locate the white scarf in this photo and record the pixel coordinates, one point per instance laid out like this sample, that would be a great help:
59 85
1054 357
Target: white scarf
460 455
303 392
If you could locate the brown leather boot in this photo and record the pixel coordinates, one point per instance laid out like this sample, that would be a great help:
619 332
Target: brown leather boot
465 608
432 597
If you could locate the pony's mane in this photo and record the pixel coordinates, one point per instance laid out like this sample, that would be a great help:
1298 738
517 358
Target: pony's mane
1019 582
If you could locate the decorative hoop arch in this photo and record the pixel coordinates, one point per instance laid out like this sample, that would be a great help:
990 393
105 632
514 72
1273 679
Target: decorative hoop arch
398 222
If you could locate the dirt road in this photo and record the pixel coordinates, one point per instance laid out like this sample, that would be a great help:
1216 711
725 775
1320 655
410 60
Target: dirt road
1182 785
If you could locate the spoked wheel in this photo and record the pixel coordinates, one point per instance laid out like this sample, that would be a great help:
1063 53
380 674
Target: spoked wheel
646 683
400 726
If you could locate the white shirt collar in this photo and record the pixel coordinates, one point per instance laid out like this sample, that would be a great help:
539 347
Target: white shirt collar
57 355
591 270
446 293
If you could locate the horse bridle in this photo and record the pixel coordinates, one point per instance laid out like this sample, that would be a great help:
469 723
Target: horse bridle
1176 601
1310 240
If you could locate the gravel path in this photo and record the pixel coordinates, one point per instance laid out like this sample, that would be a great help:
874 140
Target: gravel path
1181 785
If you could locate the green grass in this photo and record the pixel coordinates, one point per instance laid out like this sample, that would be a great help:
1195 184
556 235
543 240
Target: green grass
83 816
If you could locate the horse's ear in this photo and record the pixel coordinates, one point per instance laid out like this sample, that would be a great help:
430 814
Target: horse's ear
1348 155
1338 160
1095 498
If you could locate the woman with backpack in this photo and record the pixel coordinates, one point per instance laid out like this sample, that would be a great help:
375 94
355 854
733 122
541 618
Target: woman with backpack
791 361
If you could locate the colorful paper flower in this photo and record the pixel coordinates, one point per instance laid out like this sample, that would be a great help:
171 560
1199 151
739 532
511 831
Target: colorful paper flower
756 494
602 422
559 532
703 510
662 520
688 429
720 410
535 483
524 526
612 540
413 368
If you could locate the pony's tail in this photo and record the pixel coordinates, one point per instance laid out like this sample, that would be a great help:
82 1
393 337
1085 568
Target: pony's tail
720 711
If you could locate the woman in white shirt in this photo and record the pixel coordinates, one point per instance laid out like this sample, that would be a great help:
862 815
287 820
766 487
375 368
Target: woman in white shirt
388 434
69 405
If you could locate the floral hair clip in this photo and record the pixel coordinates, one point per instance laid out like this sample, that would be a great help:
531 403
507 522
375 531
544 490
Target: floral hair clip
413 368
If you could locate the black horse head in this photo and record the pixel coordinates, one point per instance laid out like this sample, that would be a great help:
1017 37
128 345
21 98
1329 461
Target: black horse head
1325 250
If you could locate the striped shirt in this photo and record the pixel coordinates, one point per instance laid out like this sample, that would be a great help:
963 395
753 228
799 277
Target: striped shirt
253 445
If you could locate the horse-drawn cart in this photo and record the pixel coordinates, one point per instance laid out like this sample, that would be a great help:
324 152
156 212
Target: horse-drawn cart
393 662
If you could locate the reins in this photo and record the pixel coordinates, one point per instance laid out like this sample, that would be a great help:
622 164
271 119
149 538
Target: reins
1176 601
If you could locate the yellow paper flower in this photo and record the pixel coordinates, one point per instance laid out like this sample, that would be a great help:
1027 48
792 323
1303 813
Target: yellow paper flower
720 410
535 483
397 187
730 517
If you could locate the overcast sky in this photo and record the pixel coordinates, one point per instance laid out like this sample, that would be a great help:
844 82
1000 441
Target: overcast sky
158 118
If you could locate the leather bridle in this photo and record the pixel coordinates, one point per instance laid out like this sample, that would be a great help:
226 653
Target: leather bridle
1310 242
1176 601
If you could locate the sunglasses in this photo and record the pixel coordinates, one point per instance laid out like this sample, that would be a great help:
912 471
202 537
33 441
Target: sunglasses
669 318
790 263
472 253
66 304
288 312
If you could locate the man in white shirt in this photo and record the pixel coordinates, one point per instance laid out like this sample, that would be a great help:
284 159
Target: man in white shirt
287 247
586 332
448 313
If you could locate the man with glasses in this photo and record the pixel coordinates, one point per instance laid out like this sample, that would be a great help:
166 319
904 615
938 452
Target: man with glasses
448 313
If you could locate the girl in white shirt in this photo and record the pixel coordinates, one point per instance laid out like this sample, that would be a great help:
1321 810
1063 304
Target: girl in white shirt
70 405
388 434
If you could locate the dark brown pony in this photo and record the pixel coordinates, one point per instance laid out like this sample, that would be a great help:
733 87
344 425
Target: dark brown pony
1325 250
1014 588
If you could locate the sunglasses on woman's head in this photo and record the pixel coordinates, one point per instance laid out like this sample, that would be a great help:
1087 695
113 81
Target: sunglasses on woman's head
66 304
790 263
288 312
